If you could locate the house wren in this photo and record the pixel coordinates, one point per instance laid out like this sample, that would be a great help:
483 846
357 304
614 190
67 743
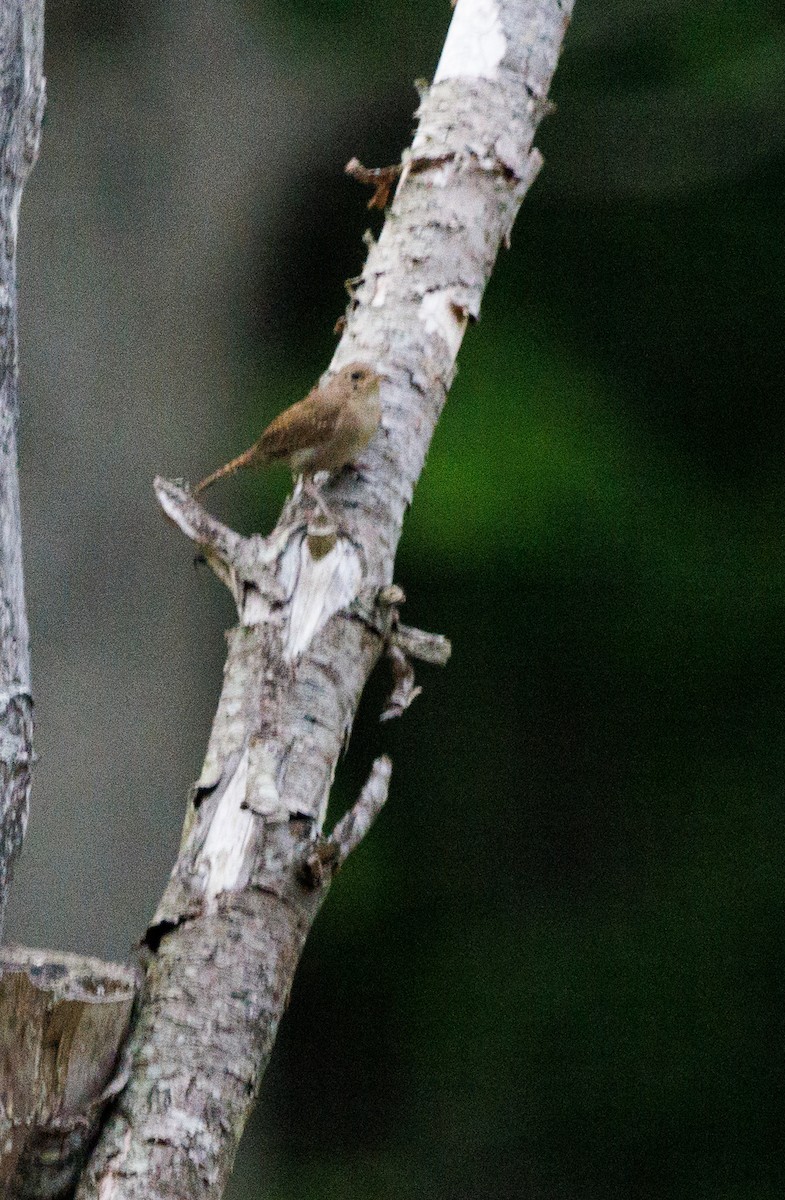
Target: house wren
323 432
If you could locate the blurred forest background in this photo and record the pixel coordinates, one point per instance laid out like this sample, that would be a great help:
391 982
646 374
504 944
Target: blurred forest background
555 967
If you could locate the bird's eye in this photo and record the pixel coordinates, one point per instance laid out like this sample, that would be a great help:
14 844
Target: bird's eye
356 376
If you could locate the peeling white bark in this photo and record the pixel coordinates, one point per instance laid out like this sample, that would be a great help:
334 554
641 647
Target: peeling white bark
475 45
223 856
443 316
317 588
314 616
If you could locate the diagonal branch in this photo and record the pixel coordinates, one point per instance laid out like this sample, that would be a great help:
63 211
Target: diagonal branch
224 944
22 90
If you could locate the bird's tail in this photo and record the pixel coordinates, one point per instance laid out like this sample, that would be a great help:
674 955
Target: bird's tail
250 458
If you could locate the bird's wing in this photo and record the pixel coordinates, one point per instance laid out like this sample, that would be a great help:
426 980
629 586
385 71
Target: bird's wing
309 423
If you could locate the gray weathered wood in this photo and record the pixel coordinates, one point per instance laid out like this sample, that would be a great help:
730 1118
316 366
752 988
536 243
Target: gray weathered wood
225 942
22 92
63 1019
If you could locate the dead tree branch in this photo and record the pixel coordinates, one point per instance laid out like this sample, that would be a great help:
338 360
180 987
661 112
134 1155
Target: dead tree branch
228 933
22 89
62 1020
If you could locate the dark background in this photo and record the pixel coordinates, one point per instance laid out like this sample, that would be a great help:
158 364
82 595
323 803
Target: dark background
554 969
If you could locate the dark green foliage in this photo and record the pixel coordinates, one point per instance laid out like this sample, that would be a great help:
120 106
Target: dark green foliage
555 968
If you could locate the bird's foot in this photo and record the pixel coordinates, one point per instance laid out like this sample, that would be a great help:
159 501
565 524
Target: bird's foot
310 489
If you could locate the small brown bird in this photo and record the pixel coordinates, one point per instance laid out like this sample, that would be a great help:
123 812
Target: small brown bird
323 432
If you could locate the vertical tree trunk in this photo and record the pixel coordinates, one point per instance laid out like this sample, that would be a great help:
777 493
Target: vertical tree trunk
22 92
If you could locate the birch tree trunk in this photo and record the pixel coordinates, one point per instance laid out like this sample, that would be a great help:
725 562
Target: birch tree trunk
316 610
22 90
